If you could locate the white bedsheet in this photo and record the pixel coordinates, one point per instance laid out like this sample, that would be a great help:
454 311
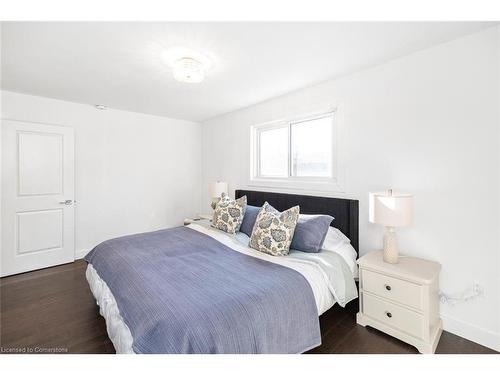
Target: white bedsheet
311 266
118 331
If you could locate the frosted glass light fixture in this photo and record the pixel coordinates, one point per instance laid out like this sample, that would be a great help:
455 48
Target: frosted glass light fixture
391 210
188 70
187 65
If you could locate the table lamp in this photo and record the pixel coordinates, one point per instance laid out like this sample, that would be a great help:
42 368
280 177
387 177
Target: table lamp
391 210
215 190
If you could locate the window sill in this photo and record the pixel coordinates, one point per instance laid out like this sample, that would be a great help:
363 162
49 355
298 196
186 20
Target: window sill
329 186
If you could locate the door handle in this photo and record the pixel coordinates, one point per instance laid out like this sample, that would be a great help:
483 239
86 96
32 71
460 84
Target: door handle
67 202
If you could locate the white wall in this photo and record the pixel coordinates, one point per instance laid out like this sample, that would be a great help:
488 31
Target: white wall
427 124
134 172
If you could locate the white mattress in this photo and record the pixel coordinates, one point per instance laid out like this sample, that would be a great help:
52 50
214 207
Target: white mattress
120 334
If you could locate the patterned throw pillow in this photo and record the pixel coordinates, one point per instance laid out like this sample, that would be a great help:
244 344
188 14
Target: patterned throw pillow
273 230
228 213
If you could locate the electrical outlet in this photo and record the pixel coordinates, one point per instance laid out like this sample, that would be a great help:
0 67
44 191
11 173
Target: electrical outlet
478 289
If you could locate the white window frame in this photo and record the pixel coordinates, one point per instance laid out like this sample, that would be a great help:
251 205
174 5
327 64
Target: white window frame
313 184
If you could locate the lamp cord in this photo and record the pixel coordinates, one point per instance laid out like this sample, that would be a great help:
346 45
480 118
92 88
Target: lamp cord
465 296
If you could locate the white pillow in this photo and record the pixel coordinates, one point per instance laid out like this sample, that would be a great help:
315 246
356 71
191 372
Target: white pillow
337 242
334 239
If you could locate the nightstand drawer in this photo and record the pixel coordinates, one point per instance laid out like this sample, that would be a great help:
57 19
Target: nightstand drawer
391 288
398 317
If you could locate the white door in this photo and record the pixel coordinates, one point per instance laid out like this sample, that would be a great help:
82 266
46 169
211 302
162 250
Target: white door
37 196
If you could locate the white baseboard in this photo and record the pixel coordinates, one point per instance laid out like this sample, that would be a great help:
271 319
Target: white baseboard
471 332
79 254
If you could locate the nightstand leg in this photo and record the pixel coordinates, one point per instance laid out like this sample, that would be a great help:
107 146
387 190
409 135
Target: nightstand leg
430 348
360 320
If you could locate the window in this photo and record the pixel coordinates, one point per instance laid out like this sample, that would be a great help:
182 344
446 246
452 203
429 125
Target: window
311 147
274 152
301 150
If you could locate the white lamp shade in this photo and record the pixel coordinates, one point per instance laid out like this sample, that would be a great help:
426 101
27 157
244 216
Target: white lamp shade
391 210
215 189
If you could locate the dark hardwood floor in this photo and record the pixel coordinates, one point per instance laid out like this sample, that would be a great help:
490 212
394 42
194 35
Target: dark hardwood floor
53 310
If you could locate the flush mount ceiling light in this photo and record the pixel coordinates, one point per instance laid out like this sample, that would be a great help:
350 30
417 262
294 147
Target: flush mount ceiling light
187 65
188 70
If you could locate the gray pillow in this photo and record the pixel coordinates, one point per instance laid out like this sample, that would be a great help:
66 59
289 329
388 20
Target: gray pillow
249 220
310 233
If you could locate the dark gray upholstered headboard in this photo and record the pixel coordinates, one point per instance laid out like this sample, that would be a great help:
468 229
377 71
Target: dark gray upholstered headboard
345 211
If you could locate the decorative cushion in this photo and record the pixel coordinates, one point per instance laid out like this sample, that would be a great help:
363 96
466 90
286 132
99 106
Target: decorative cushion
273 230
310 233
228 213
249 219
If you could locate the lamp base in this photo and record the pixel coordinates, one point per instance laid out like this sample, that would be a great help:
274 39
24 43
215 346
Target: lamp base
214 203
391 252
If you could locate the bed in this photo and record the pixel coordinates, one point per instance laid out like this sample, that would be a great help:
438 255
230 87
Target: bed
196 289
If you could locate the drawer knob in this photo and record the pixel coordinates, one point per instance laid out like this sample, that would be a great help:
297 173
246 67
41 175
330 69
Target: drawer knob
389 315
388 287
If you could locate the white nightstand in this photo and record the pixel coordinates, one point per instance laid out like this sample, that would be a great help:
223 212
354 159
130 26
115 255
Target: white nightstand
206 216
401 299
200 218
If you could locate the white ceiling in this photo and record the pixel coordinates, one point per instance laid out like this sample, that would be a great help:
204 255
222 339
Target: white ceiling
119 64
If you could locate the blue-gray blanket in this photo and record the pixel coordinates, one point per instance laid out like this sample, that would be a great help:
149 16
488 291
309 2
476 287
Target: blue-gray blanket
181 291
